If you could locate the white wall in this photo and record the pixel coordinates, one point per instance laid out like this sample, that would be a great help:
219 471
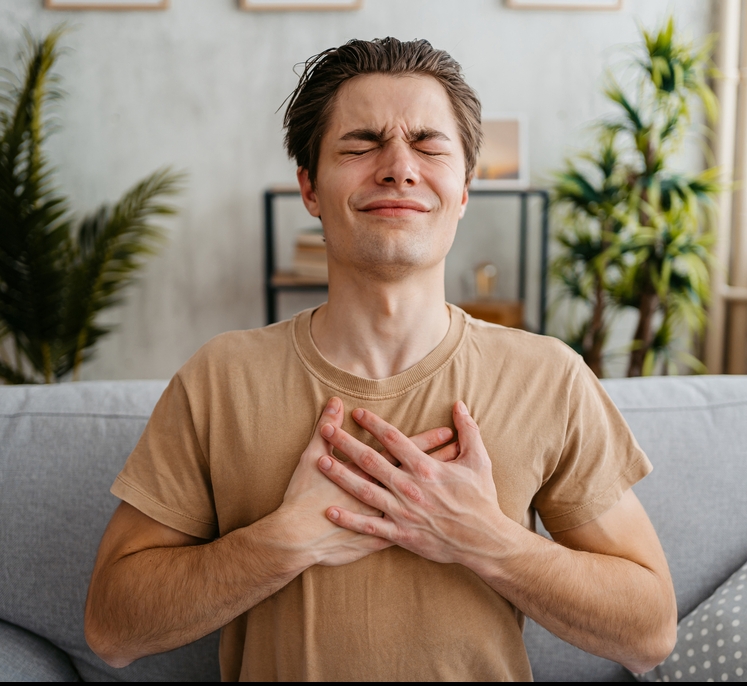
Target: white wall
197 87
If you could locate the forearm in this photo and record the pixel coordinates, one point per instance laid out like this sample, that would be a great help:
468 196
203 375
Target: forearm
158 599
606 605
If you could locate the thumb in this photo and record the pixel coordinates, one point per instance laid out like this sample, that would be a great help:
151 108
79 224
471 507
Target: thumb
333 413
470 440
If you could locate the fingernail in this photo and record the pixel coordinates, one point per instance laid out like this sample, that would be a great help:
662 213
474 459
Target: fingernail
325 463
332 406
327 430
462 408
444 434
358 414
334 514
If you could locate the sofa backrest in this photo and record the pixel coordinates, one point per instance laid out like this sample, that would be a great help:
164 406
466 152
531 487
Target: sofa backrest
60 448
694 430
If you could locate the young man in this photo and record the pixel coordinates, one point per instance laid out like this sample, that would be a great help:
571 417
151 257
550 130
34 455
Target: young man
395 557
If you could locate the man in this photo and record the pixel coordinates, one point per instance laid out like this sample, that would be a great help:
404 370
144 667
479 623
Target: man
275 491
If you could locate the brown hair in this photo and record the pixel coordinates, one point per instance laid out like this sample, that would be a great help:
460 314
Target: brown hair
311 102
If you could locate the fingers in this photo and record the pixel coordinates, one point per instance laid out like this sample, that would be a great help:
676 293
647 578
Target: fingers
426 441
470 440
333 413
363 524
368 493
447 453
393 440
366 458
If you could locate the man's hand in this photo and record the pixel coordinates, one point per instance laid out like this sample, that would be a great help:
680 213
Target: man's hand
435 508
310 494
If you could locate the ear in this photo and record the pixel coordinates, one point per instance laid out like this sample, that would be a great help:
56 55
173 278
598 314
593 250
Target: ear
465 199
308 194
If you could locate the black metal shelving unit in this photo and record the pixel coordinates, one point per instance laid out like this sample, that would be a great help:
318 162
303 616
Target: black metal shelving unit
276 282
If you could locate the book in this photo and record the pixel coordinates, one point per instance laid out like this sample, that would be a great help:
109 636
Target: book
310 258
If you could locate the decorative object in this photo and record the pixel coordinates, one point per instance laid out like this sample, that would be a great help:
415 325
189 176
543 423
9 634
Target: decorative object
486 280
106 4
635 233
55 278
299 5
565 4
503 160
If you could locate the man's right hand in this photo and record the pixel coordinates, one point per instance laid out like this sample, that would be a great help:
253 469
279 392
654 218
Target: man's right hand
310 493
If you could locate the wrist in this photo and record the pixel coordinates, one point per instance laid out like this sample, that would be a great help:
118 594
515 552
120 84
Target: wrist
490 556
276 537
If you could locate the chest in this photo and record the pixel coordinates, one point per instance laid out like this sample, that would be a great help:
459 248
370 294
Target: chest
256 441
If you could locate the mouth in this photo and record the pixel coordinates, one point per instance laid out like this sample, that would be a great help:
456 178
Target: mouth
395 208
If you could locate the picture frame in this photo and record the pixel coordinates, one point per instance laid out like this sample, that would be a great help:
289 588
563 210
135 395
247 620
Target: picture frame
503 162
299 5
115 5
577 5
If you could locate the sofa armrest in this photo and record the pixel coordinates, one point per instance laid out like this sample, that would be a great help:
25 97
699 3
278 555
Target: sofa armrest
27 657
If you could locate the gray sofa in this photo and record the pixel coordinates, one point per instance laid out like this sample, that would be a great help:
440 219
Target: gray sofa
61 446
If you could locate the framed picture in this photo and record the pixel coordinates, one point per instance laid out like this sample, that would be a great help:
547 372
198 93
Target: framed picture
106 4
503 160
565 4
298 5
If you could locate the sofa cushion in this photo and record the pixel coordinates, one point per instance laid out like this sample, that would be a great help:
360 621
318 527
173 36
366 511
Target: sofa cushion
60 449
694 430
712 639
27 657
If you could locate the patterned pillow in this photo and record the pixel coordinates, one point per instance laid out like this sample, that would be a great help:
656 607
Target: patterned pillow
712 639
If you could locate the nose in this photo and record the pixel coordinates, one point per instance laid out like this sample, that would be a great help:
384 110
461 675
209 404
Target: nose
398 166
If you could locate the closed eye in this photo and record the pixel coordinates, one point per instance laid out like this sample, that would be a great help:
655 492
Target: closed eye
357 152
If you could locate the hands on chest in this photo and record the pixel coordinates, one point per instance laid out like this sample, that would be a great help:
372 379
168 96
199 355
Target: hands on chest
438 505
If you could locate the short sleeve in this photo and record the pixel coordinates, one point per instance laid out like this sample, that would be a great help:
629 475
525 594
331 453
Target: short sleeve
600 458
167 476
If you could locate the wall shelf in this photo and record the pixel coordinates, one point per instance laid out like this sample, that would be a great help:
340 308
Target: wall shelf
277 281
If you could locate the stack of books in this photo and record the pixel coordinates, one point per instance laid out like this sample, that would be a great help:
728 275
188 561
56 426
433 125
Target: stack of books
310 259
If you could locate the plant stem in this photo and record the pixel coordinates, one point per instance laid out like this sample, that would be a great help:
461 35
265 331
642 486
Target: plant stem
47 358
643 334
594 338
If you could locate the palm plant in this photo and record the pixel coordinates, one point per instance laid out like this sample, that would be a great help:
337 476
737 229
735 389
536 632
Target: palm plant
56 277
650 225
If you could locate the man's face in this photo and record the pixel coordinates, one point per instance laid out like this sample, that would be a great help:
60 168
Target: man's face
390 182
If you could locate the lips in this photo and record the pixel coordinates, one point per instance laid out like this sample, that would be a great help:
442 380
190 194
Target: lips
394 207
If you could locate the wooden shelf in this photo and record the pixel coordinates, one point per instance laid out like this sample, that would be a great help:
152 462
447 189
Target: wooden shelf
503 312
293 280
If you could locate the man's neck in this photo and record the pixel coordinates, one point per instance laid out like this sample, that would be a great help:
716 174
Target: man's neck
376 330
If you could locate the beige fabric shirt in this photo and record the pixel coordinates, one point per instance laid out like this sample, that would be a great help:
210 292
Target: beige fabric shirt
226 436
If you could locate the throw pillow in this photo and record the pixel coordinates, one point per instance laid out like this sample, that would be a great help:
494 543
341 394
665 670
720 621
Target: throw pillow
712 639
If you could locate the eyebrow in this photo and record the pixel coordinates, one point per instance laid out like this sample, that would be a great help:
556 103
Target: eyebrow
415 136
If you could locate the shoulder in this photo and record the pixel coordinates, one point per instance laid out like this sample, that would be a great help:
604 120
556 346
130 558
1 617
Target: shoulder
523 350
236 352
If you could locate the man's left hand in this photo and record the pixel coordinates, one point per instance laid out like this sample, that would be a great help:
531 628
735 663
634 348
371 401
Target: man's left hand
439 510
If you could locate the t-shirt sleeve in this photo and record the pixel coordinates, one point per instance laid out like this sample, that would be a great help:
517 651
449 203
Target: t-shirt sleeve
167 476
600 459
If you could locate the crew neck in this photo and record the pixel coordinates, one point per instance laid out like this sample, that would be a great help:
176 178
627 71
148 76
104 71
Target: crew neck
377 389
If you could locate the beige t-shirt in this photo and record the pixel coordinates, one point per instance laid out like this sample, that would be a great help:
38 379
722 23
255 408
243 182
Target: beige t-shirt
225 438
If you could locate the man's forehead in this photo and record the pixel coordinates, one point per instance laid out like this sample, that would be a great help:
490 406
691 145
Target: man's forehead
381 101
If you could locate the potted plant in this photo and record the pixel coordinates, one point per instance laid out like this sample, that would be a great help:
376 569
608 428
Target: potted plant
57 276
635 233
